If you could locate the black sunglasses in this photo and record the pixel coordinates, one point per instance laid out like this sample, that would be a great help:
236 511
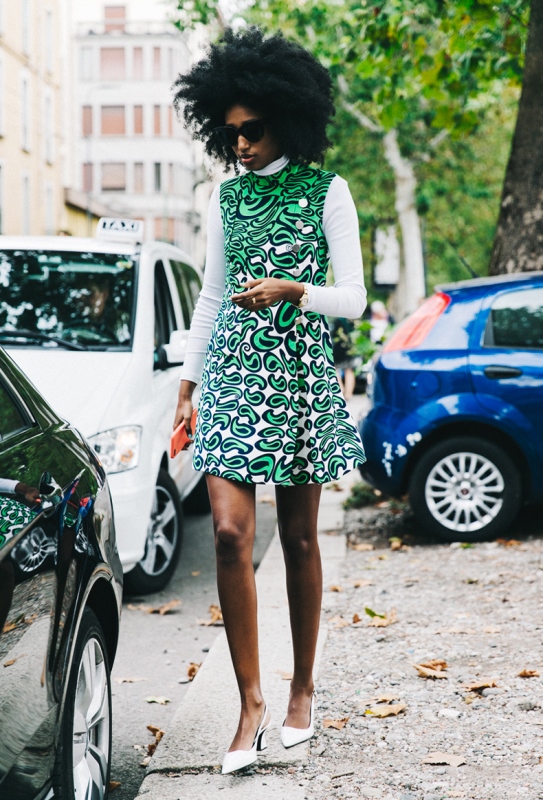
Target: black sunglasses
253 131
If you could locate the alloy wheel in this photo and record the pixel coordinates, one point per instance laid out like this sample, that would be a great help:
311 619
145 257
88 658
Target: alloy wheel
464 491
162 533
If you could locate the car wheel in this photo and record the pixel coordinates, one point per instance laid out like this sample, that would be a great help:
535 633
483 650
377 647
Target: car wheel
465 489
198 501
82 764
163 544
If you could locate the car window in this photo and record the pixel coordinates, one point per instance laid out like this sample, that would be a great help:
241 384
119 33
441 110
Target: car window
188 285
11 419
54 296
516 320
165 321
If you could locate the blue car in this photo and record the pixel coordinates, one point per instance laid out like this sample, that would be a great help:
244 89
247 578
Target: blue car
456 418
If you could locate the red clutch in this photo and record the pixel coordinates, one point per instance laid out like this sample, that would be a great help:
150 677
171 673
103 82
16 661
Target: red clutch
180 439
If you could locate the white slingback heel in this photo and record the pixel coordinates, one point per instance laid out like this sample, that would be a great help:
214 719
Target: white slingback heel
293 736
238 759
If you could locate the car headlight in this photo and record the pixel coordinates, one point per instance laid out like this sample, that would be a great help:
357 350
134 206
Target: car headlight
119 448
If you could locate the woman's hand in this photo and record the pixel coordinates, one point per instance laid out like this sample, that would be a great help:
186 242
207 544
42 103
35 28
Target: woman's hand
265 292
184 406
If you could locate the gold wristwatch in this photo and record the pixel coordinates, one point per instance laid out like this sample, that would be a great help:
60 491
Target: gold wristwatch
304 299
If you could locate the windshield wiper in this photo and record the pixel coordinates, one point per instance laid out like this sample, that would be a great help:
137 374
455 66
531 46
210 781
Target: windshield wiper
41 337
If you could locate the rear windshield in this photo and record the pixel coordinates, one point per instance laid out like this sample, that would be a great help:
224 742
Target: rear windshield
58 298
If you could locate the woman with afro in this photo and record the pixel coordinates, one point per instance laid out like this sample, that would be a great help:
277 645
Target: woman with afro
271 408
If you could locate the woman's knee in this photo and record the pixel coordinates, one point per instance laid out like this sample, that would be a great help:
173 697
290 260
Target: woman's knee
232 541
299 547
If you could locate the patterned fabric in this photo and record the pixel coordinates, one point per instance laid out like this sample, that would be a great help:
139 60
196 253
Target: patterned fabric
271 408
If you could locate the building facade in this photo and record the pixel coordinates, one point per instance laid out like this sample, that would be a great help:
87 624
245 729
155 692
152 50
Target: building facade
131 153
32 144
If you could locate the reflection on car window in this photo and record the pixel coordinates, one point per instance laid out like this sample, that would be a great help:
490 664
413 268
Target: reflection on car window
11 419
516 320
82 298
188 285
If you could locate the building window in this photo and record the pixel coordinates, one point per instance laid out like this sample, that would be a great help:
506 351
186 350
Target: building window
170 63
48 128
87 177
171 179
26 205
157 72
158 177
25 26
139 187
170 121
114 18
86 120
25 113
112 63
113 177
138 119
49 43
138 63
49 210
85 63
113 121
156 120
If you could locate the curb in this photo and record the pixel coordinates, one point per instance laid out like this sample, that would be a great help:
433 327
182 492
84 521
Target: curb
204 722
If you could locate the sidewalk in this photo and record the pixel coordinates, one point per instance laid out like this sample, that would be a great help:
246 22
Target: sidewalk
184 766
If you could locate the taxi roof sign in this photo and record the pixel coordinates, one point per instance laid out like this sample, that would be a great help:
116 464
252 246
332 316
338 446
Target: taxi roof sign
112 229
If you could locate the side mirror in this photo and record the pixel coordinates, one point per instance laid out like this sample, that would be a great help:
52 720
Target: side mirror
173 353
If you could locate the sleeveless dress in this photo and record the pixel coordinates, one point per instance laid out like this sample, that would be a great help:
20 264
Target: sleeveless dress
271 408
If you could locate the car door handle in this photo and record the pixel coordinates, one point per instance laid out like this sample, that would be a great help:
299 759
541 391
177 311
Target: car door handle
495 373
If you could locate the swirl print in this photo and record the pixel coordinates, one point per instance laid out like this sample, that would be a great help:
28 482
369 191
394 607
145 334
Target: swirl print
271 407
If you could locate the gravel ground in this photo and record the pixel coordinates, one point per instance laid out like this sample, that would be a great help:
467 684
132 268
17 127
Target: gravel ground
479 609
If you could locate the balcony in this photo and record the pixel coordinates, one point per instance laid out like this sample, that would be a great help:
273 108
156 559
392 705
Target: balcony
122 27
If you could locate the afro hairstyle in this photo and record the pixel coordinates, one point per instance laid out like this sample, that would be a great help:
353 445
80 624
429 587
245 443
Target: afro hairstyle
268 74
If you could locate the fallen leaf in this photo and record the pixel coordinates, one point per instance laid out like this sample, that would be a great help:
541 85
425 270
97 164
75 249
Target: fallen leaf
114 785
386 710
451 759
267 498
360 584
371 613
9 663
160 699
285 676
335 588
158 733
167 608
386 698
9 626
509 542
478 686
356 619
136 607
192 670
362 547
428 672
338 724
525 673
382 622
334 487
216 617
491 629
339 622
145 761
332 533
128 680
383 504
195 573
395 543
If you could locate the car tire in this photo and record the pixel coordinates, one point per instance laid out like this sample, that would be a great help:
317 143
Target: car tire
465 489
164 539
198 502
83 757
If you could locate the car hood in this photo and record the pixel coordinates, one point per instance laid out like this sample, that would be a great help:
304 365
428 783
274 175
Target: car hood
79 386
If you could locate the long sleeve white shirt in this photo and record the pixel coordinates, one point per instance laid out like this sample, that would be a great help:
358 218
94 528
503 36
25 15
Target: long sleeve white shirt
346 298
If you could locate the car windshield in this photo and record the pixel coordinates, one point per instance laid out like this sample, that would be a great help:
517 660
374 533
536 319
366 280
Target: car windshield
79 300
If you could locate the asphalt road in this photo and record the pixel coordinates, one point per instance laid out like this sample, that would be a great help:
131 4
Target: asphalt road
155 651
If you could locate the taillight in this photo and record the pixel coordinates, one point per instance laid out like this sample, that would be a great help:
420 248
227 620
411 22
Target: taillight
414 330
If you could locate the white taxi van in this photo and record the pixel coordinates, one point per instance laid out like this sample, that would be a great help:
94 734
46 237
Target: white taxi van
100 326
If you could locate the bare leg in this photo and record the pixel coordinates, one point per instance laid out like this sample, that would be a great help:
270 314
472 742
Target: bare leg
349 381
233 508
297 509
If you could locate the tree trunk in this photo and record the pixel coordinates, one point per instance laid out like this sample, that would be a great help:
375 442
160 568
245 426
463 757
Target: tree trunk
518 245
411 290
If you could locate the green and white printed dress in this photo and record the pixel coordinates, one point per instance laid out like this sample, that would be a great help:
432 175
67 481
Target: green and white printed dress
271 408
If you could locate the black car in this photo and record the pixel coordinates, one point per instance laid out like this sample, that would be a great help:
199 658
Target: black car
60 602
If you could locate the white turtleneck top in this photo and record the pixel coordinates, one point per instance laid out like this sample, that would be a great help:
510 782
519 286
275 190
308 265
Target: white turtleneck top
346 298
